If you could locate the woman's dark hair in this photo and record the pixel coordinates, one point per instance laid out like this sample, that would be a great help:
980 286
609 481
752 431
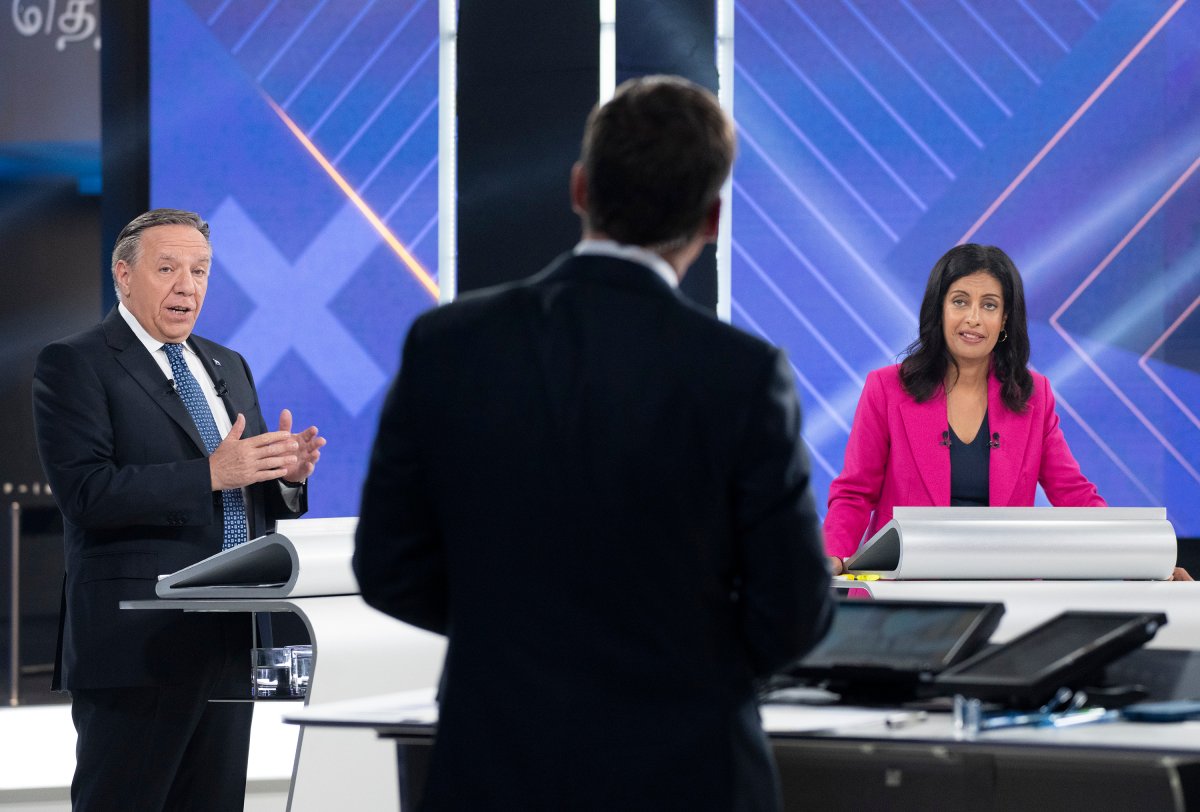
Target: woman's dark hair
927 359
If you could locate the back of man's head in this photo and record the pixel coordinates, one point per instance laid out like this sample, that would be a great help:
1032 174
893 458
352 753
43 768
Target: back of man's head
655 157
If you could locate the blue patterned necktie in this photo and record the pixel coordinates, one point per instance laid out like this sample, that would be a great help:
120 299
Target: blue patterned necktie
232 501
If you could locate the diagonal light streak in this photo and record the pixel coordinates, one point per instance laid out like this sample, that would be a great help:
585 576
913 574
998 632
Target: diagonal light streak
812 269
1078 114
1045 26
901 122
795 129
1114 458
212 18
1120 246
832 108
399 145
1087 359
329 52
901 306
291 40
412 187
254 26
806 383
364 67
1142 362
425 229
1004 46
914 74
1091 11
953 54
379 108
797 314
407 258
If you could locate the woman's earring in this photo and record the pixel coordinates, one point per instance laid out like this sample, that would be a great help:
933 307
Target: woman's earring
1003 336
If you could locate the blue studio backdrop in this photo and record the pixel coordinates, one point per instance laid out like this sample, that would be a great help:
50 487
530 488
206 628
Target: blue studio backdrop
874 135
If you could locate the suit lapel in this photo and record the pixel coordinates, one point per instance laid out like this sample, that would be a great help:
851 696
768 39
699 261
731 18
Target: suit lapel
1004 463
924 424
132 356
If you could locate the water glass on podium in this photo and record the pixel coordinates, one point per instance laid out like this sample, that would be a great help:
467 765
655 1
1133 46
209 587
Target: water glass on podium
270 672
301 670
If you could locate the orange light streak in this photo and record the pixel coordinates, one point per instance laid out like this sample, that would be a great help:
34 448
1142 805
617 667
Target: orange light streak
407 258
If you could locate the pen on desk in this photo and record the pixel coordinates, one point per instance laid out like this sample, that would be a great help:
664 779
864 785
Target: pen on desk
900 720
1083 717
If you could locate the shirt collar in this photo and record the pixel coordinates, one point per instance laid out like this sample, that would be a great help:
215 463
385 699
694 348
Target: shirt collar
151 343
633 253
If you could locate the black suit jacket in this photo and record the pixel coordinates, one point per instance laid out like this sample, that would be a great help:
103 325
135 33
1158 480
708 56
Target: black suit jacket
599 493
129 472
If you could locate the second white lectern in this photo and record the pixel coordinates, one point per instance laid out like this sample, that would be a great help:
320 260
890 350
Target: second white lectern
1013 543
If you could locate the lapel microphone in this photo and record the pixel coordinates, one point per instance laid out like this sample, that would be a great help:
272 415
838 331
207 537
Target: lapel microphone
995 443
945 439
222 389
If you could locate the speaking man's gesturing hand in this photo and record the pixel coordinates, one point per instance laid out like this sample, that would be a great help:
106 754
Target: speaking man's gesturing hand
238 462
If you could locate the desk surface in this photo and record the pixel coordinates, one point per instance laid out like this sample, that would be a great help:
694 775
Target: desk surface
413 714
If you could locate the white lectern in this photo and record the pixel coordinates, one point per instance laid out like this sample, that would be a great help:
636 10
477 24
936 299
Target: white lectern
997 543
304 567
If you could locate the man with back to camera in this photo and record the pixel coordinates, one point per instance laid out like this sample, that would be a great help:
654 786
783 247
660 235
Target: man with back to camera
598 492
158 456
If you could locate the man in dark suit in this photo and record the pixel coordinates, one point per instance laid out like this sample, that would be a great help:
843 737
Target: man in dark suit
125 415
598 492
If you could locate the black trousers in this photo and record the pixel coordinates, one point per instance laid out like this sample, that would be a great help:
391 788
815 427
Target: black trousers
158 749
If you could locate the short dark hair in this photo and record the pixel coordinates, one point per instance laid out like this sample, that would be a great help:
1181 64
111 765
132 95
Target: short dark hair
924 368
129 242
655 157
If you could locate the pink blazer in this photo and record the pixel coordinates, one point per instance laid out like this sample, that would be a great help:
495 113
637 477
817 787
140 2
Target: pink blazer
895 457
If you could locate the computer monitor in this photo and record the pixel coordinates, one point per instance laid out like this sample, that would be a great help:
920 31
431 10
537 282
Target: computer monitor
1065 651
886 648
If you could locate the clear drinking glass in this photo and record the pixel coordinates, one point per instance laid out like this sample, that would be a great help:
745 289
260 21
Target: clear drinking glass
270 672
301 669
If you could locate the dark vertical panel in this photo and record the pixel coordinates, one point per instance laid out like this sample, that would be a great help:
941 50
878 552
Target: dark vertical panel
679 37
50 235
528 74
124 123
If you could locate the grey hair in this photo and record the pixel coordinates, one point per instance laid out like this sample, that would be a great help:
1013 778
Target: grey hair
129 241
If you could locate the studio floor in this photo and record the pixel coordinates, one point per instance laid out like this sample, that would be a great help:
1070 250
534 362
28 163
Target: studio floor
37 757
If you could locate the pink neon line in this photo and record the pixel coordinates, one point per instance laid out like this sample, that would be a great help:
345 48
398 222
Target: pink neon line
1087 359
1112 455
1120 246
1121 396
1083 108
1170 393
1174 326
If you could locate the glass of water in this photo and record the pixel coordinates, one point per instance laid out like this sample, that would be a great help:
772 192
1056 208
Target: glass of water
301 669
270 672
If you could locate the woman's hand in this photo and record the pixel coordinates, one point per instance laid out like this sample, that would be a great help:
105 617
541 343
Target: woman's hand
837 566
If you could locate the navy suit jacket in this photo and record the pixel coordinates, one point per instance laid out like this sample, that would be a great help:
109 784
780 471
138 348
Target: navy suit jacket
129 472
598 492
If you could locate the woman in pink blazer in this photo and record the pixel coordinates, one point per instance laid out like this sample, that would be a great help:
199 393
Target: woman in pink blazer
962 420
